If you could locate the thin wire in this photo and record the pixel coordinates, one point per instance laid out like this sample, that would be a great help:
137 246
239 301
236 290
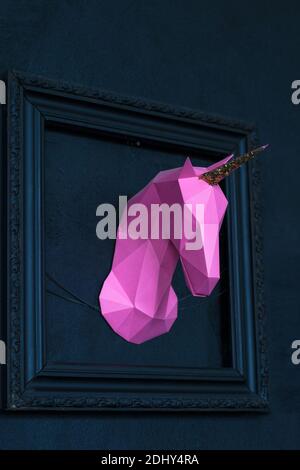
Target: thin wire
77 300
64 297
207 299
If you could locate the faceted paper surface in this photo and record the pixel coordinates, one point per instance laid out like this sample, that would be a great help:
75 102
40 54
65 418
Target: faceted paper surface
137 299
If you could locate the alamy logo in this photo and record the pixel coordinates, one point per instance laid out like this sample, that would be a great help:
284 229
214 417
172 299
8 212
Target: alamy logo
295 97
155 221
295 358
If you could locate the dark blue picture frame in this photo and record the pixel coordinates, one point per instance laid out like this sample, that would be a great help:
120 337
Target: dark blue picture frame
31 383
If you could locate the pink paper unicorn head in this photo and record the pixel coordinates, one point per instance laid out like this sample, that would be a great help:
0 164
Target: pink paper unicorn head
137 298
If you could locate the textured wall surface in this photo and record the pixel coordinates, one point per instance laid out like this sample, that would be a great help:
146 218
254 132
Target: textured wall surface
221 57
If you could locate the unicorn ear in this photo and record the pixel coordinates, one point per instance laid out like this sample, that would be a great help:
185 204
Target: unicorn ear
187 171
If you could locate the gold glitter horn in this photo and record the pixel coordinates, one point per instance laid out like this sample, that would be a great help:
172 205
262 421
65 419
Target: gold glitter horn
215 176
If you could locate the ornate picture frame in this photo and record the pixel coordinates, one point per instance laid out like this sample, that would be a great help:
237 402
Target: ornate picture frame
32 384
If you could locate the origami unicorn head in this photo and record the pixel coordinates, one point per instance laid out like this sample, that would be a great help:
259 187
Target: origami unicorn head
137 299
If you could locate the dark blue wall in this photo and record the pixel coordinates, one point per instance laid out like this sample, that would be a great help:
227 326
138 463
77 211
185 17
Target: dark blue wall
232 58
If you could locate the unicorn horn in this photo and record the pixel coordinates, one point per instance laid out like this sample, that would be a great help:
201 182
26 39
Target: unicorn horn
215 176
